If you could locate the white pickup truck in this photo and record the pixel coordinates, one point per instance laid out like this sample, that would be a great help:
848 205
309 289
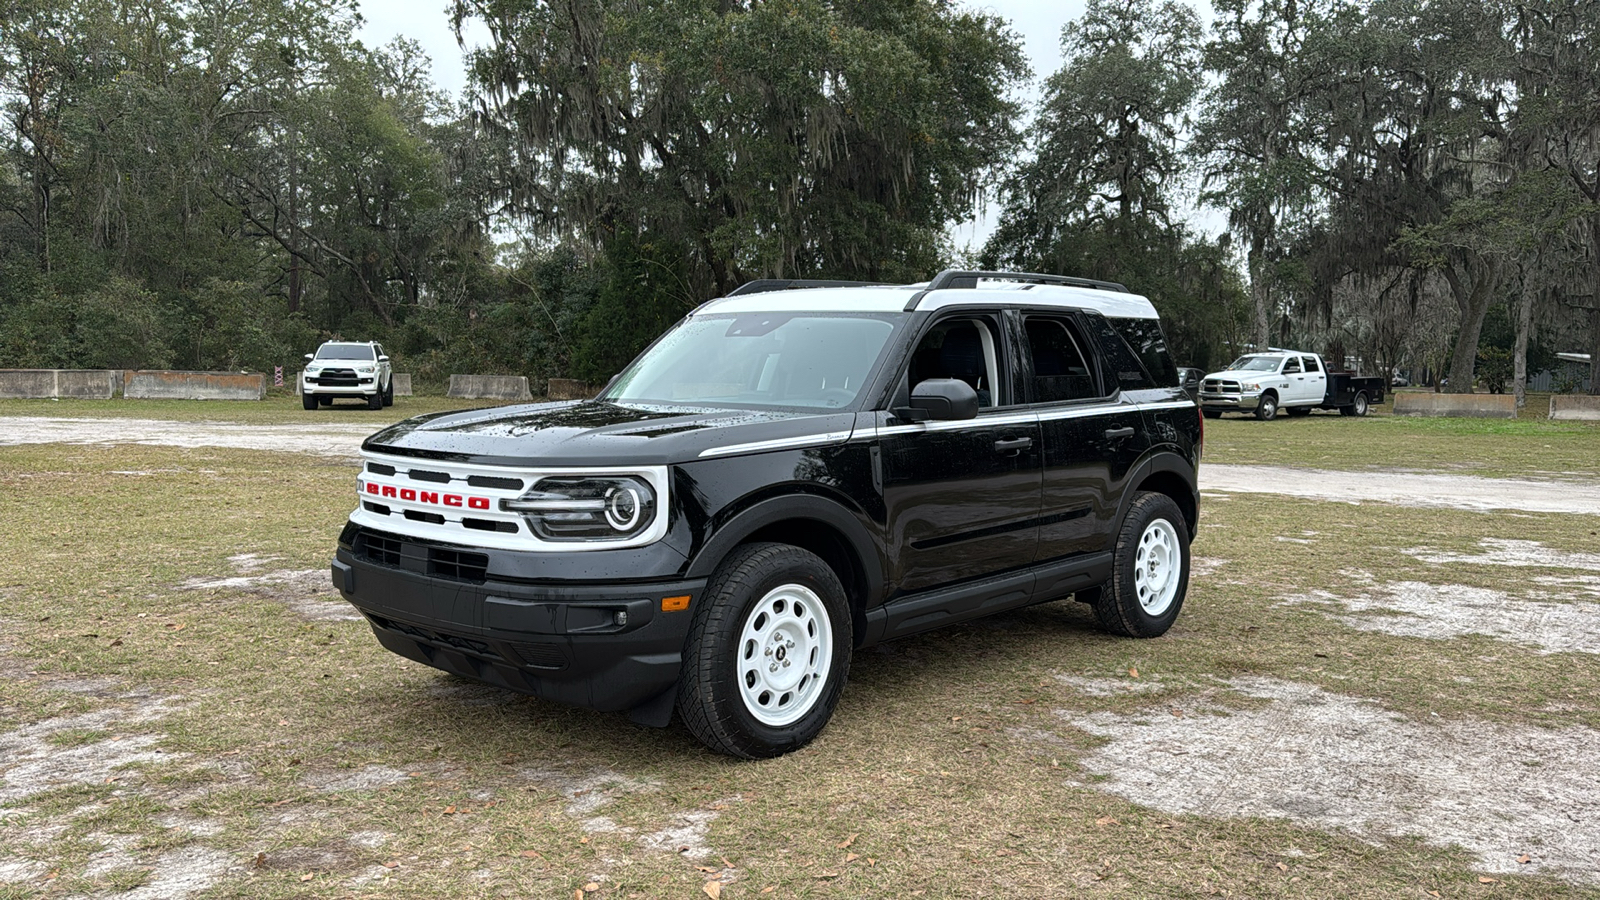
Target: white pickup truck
1290 380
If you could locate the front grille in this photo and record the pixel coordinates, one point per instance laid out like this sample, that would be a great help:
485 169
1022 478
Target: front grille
438 638
458 565
492 481
337 378
379 548
1218 386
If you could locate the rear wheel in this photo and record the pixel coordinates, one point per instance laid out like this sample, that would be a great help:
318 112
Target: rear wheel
309 401
1267 407
1358 408
767 653
1150 570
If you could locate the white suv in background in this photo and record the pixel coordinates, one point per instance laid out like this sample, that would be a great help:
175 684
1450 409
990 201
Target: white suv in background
357 370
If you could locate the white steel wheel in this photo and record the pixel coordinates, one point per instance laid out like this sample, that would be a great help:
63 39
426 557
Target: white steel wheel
785 652
1157 567
1149 569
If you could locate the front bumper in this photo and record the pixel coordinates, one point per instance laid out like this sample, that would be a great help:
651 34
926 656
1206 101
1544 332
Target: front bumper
1226 402
364 387
607 646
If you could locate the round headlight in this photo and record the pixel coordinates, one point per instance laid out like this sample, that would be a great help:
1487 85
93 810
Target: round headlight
623 508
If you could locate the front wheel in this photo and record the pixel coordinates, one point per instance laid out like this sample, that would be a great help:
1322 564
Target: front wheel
767 653
1267 407
1149 570
308 401
388 393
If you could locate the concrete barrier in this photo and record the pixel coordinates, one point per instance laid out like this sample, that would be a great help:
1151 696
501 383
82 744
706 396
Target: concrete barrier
1575 406
489 387
568 389
42 384
194 386
1472 406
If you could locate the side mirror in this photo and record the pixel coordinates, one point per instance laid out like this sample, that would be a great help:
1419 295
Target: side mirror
941 399
383 359
310 357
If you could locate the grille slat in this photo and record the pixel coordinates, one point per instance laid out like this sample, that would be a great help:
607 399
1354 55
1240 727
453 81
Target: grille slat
457 564
434 477
494 481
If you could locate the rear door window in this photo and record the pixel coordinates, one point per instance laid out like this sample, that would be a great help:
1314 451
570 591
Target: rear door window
1062 370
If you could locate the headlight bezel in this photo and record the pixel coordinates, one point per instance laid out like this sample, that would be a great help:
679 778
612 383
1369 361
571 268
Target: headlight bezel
581 509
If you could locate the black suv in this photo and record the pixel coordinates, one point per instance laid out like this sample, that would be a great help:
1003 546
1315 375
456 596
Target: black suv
792 473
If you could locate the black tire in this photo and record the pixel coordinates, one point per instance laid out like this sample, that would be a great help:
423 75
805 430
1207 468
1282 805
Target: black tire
1358 408
375 400
1267 408
388 393
1143 599
309 401
801 599
324 401
1211 413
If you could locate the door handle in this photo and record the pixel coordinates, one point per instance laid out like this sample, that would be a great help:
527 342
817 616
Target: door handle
1117 434
1012 445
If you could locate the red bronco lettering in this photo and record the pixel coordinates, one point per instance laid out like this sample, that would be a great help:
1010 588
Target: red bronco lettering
410 495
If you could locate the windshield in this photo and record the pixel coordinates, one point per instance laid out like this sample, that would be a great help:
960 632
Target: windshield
1255 364
814 360
345 351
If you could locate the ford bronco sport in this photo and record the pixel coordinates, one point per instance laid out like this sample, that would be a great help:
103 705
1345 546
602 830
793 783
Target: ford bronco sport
792 473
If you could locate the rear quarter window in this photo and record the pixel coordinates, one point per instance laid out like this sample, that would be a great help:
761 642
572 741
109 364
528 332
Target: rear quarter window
1146 343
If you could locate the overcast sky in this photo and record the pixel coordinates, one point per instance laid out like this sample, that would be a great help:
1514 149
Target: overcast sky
1038 22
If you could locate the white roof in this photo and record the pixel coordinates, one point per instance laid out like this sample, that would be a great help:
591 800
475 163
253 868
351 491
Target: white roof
893 298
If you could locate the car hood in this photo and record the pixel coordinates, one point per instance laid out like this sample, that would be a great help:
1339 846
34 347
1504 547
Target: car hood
594 432
1242 374
340 361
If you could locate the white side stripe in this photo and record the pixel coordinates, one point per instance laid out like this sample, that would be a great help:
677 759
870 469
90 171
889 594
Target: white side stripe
806 440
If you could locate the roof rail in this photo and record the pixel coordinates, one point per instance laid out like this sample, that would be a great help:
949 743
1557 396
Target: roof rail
958 279
764 285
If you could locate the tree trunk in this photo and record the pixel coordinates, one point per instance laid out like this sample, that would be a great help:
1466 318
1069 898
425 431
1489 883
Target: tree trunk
1260 297
1473 301
1519 351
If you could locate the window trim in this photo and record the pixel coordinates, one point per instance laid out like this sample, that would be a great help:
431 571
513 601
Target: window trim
1099 378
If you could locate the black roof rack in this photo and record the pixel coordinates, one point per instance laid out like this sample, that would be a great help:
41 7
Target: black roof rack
958 279
764 285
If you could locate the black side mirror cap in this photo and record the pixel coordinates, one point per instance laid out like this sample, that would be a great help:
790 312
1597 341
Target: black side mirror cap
942 399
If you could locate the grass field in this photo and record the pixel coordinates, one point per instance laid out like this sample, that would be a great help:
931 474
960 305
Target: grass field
1359 701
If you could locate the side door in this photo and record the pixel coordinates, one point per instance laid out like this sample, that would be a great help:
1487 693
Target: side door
961 497
1294 392
1316 379
1091 432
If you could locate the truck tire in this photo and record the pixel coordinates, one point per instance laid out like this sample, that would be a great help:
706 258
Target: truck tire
388 393
309 401
1267 407
767 653
1358 408
375 400
1149 570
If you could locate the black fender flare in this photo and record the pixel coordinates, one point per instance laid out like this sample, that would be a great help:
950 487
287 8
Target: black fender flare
1156 463
789 507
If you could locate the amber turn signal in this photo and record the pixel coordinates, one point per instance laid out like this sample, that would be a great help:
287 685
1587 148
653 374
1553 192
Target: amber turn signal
675 604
